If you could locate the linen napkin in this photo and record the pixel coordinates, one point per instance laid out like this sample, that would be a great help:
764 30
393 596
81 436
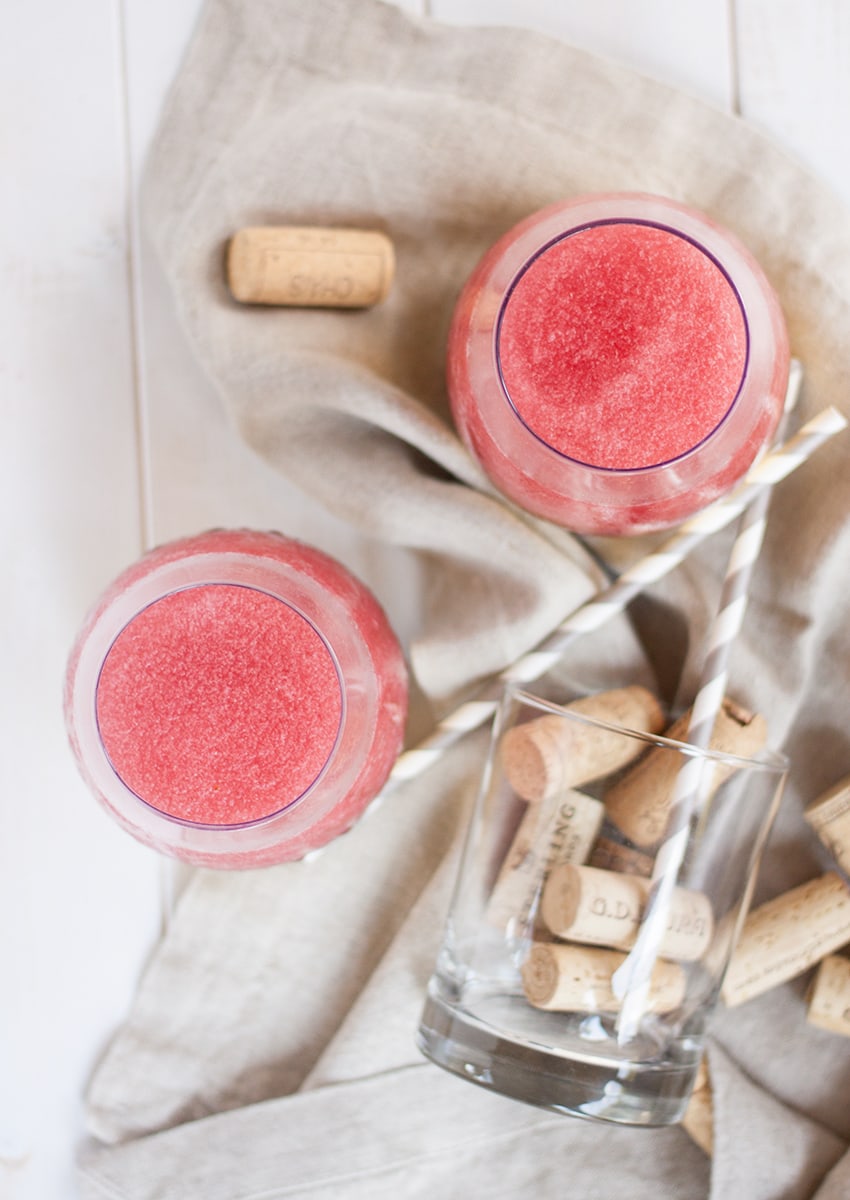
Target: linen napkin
270 1048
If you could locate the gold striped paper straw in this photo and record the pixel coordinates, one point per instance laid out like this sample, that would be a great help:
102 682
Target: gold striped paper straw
768 471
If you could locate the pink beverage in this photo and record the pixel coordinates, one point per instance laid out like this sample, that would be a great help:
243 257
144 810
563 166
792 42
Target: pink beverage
616 362
236 699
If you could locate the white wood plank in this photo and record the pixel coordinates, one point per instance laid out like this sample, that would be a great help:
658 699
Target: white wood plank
794 80
78 898
684 45
154 39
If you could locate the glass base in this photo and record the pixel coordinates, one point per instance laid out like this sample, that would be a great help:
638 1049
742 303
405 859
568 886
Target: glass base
627 1093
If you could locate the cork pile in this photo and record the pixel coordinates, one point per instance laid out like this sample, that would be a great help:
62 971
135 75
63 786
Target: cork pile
576 874
788 935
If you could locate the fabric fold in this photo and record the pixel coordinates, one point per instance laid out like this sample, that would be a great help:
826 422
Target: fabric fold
836 1186
259 968
413 1132
762 1149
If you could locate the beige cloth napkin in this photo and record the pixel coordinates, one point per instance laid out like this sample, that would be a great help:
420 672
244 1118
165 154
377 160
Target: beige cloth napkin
270 1049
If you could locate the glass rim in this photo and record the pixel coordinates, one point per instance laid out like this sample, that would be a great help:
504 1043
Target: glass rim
767 760
113 613
275 812
583 227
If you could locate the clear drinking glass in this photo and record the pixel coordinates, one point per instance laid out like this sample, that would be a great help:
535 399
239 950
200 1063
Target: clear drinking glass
549 900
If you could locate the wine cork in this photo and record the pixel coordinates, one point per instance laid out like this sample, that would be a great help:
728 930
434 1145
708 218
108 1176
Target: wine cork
567 978
544 757
787 935
307 267
610 854
829 816
639 803
554 831
603 908
698 1120
829 997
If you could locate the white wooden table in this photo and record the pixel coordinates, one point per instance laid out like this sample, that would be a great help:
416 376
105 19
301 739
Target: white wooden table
116 442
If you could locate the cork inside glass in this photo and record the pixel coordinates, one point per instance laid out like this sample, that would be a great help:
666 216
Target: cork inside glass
485 1016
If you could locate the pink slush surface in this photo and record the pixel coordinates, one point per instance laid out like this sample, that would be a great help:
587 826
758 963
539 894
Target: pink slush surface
219 704
622 346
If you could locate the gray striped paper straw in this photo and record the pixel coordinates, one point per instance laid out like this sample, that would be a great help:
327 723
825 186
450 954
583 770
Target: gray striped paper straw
632 978
769 470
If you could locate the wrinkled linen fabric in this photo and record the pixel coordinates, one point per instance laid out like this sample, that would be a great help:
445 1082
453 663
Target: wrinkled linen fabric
270 1051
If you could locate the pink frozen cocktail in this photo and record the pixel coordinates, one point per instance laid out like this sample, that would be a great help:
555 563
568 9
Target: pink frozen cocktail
236 699
616 362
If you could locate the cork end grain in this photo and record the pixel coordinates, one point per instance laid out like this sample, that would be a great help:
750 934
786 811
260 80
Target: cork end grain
540 976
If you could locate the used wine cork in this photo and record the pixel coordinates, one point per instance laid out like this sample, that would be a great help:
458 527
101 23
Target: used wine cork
639 803
567 978
559 830
698 1120
610 854
829 816
310 267
787 935
604 908
551 753
829 997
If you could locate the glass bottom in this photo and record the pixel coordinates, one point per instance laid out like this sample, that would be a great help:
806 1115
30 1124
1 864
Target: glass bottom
626 1093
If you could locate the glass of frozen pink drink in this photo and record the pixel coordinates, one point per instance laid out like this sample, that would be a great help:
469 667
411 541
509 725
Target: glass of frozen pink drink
616 362
236 699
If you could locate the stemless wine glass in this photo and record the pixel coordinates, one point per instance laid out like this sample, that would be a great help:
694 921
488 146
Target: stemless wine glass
236 698
616 362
